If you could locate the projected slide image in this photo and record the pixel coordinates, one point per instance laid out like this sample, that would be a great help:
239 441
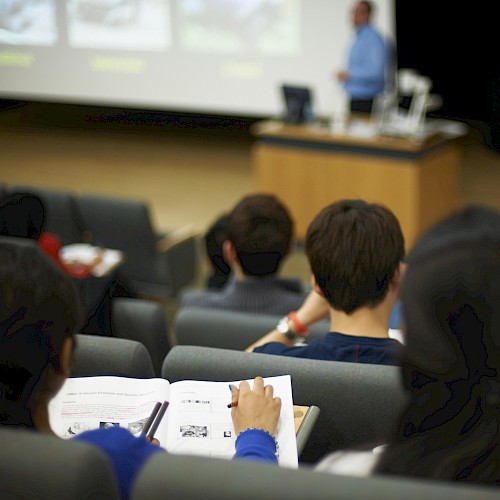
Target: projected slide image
28 22
119 24
232 26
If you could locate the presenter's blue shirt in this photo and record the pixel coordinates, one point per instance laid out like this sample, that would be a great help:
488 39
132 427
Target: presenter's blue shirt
340 347
367 64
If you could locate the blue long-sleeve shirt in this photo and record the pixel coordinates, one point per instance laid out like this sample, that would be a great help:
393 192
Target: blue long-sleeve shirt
128 454
367 64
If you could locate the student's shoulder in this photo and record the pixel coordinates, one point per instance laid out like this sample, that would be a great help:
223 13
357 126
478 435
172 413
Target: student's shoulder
118 440
113 434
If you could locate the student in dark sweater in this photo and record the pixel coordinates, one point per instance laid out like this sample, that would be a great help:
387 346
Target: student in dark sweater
258 237
355 250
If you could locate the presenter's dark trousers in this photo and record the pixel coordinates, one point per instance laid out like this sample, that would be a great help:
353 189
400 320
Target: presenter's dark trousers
361 105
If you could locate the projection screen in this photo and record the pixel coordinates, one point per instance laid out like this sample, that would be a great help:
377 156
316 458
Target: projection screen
209 56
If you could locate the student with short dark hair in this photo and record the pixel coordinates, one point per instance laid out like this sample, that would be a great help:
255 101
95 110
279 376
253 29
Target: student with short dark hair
39 315
259 236
355 250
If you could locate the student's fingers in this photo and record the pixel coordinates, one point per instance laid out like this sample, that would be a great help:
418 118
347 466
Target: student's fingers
153 441
244 387
258 385
235 393
269 390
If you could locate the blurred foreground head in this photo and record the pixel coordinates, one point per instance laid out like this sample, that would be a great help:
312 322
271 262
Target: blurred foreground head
39 309
451 365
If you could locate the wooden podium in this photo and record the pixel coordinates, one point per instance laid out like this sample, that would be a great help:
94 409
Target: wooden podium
309 167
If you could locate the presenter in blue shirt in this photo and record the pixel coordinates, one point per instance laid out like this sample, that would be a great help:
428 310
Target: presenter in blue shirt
364 76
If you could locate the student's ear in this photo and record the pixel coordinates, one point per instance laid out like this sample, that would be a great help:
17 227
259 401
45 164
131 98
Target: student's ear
315 286
66 356
398 275
229 252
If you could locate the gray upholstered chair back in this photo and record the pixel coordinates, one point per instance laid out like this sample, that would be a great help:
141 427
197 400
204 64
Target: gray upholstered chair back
125 224
228 329
202 478
144 321
35 465
359 402
96 355
120 223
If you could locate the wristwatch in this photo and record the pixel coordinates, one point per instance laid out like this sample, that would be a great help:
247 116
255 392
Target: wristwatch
283 327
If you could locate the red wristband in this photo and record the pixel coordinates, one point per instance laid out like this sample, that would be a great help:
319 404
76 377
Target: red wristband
303 331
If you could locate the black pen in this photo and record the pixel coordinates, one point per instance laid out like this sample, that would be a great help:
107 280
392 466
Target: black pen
158 419
151 419
154 419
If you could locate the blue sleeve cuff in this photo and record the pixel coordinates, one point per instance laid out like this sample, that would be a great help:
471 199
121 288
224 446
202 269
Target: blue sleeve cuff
256 444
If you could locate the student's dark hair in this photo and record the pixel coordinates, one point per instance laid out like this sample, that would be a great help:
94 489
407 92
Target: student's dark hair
354 248
39 308
451 364
22 215
261 230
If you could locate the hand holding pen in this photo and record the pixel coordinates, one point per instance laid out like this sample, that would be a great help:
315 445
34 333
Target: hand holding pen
153 421
255 408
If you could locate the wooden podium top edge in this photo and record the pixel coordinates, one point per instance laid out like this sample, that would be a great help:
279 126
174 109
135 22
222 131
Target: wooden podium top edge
315 132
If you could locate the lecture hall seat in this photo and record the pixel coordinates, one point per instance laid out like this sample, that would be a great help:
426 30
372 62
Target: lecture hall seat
144 321
156 265
95 355
37 465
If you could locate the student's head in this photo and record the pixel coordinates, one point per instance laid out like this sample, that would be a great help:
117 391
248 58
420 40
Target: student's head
39 309
451 302
451 364
259 233
354 249
22 215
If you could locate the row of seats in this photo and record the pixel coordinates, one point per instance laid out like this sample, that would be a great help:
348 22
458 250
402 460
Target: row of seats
359 403
229 329
79 471
157 265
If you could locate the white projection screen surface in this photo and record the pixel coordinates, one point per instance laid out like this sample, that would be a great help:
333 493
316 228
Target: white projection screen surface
206 56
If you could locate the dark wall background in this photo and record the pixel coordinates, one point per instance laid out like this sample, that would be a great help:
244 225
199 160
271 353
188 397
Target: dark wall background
454 46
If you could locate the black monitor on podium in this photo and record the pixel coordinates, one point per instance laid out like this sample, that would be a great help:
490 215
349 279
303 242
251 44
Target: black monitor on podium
298 102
